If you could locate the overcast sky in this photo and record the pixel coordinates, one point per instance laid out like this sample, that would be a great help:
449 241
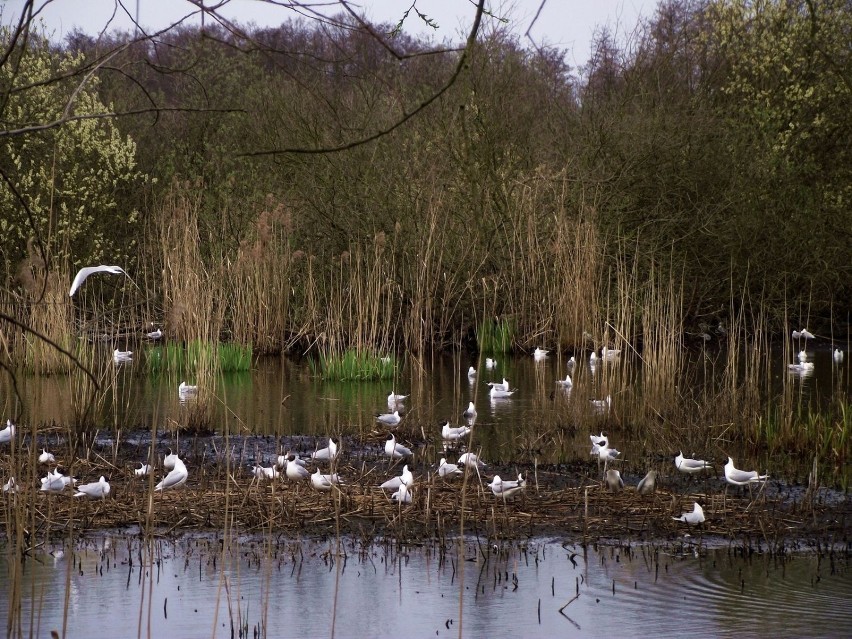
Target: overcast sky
568 24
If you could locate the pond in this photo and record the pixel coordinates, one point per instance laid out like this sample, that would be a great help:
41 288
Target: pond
118 585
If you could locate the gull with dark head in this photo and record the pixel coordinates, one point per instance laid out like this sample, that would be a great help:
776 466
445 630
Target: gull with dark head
177 476
454 433
294 470
448 471
395 450
690 466
470 413
738 477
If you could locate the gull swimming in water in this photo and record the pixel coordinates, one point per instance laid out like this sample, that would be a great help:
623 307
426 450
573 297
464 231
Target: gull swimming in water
803 356
602 405
187 389
144 470
490 363
446 470
46 457
648 484
496 393
472 460
803 334
176 477
391 419
395 450
690 466
454 433
614 481
470 413
540 354
322 482
328 453
170 459
838 356
122 357
694 518
471 374
294 470
86 271
566 383
95 490
154 335
741 477
8 433
802 368
395 398
507 488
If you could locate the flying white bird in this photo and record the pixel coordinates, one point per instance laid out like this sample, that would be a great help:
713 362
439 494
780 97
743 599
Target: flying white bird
803 334
170 459
648 483
295 471
154 335
694 518
120 357
472 460
391 419
470 413
566 383
540 354
8 433
395 450
446 470
602 405
490 363
838 356
741 477
454 433
690 466
614 481
330 452
507 488
84 272
322 482
176 477
185 390
46 457
144 469
95 490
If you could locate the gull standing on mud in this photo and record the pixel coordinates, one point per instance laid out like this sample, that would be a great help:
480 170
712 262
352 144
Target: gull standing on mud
395 450
395 482
265 473
471 460
170 459
144 470
614 481
391 419
694 518
566 383
176 477
454 433
294 470
737 477
507 488
330 452
95 490
11 486
84 272
402 494
690 466
448 471
323 483
648 484
46 457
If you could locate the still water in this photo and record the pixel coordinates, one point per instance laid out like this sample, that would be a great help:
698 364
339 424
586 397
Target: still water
116 586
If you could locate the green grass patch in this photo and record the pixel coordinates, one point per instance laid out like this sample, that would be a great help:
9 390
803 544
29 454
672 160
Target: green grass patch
196 355
495 336
353 365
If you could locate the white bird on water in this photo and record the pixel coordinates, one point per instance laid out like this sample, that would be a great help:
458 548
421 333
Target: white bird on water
490 363
391 419
330 452
470 413
507 488
566 383
448 471
84 272
602 405
741 477
540 354
46 457
504 385
472 460
690 466
176 477
694 518
154 335
838 356
323 483
395 450
121 357
395 398
471 374
803 334
95 490
803 356
185 390
496 393
144 470
8 433
454 433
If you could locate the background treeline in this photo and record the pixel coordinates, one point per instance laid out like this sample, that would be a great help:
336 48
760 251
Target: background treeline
701 169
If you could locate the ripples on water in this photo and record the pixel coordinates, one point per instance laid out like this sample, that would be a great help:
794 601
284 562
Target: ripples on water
387 592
